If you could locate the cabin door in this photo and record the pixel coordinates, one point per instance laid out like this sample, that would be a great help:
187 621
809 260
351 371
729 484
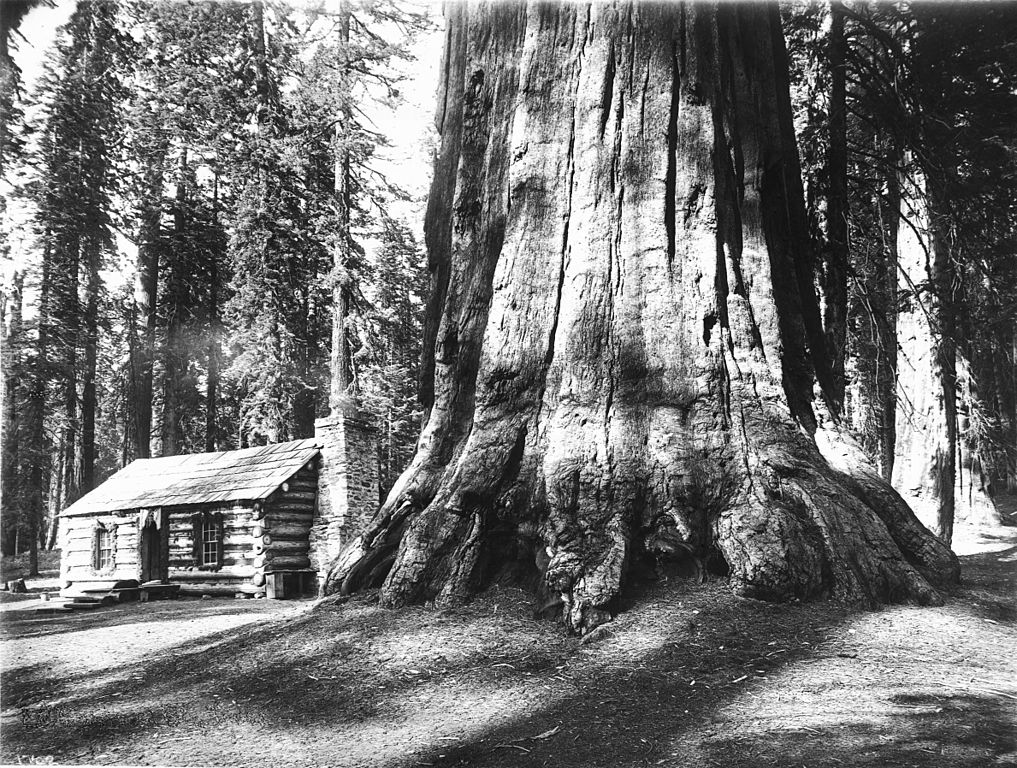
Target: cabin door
151 552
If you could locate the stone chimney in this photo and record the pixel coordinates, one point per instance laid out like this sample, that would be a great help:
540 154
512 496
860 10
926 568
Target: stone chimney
347 482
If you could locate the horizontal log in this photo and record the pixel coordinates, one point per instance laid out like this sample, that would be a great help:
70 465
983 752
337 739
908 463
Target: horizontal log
292 513
89 535
216 590
238 557
287 547
283 562
234 523
76 550
287 529
300 486
239 540
295 496
236 573
71 559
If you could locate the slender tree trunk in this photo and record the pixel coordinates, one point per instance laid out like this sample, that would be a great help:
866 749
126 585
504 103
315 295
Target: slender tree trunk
146 305
178 308
37 451
303 400
212 373
69 324
343 378
86 470
871 399
629 336
836 267
11 356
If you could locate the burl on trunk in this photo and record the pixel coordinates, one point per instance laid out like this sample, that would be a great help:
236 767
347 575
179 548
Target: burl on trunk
624 338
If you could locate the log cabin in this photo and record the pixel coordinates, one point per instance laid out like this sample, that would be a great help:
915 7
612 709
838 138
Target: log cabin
262 521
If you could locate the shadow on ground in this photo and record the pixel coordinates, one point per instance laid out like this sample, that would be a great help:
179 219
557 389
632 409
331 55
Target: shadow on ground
26 623
353 684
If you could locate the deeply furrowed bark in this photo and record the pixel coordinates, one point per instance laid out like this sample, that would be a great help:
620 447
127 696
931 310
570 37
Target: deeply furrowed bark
626 339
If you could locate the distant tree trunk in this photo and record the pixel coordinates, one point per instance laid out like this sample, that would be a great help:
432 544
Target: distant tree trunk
836 266
178 309
146 305
303 400
11 356
871 396
973 498
86 470
1004 366
625 357
212 373
343 378
67 325
925 462
36 451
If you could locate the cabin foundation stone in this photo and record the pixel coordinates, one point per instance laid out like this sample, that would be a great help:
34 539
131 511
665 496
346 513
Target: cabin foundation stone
347 482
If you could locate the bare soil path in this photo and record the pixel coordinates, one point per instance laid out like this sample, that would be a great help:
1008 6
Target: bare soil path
687 675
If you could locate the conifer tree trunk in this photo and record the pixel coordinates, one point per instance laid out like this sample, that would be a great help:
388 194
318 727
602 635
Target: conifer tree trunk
36 451
343 379
871 399
86 469
628 337
67 326
178 308
836 267
212 370
925 461
11 438
146 298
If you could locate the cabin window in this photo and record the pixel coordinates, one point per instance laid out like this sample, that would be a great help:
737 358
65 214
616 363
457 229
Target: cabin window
208 540
102 551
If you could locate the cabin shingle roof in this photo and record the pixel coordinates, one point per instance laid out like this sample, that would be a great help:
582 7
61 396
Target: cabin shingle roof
198 478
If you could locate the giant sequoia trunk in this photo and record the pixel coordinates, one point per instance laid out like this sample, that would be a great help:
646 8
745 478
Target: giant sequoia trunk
926 462
626 337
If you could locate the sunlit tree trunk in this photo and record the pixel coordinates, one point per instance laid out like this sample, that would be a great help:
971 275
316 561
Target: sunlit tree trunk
627 337
925 462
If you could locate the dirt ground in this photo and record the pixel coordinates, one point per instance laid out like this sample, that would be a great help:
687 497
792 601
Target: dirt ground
686 675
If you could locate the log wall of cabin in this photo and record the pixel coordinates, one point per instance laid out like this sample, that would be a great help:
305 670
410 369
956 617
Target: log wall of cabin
77 541
239 572
283 531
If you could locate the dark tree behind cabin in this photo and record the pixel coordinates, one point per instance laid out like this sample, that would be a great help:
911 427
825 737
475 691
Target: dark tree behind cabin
648 392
